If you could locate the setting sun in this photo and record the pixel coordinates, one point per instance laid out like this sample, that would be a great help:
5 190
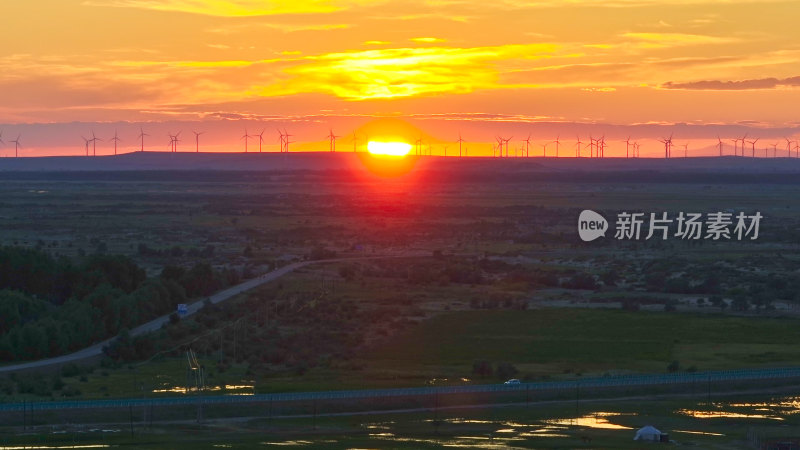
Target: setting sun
388 148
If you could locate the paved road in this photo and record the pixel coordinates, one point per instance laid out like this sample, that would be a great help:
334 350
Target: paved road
711 381
96 350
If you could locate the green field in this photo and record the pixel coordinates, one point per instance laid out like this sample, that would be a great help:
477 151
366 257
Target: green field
541 344
548 342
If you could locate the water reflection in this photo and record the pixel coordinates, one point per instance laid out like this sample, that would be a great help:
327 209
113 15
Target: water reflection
703 433
725 414
596 420
231 389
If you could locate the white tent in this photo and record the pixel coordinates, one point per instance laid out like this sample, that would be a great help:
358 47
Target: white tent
647 433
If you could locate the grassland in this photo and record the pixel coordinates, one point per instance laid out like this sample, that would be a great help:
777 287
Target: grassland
509 250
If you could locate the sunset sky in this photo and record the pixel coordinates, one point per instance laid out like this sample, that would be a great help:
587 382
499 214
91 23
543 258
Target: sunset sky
475 67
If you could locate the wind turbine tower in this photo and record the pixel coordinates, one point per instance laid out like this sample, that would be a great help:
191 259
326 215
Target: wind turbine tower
141 136
86 144
507 141
753 143
246 137
115 139
94 143
332 137
557 142
197 140
527 142
260 139
286 137
16 146
283 140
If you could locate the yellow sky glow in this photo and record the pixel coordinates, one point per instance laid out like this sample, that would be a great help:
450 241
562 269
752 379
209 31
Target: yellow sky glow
619 62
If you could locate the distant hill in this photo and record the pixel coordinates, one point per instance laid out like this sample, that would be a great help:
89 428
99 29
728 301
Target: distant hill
544 168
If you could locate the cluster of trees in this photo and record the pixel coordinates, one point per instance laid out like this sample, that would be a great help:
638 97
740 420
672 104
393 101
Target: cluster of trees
50 306
485 369
176 251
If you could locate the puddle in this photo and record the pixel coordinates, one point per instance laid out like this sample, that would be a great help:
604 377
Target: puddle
596 420
703 433
725 415
230 389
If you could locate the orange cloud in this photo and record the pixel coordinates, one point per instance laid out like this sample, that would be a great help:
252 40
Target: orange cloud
403 72
233 8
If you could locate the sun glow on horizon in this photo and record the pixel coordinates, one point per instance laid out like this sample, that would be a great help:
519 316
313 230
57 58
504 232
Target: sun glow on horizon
389 148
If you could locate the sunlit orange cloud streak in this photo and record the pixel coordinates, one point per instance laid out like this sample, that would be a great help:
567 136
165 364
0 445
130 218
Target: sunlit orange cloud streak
404 72
234 8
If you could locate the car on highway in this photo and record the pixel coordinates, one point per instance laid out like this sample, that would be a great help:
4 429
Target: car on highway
512 381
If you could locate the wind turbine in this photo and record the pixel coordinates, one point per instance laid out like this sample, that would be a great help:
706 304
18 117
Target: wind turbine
754 147
636 146
245 137
775 149
16 146
260 139
141 136
719 145
499 147
557 142
332 139
544 149
627 145
667 146
788 147
355 141
507 140
197 140
286 136
527 142
283 140
743 142
115 139
578 147
459 144
86 144
174 141
686 150
601 147
94 143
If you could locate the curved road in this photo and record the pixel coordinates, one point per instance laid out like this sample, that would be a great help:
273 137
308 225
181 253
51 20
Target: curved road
96 350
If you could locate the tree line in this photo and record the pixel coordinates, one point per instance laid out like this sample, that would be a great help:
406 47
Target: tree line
54 305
